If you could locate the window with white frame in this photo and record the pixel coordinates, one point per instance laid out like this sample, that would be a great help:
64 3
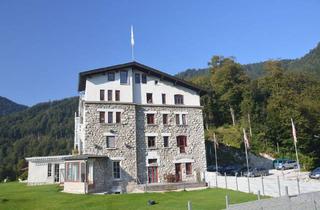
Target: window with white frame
49 169
123 77
181 119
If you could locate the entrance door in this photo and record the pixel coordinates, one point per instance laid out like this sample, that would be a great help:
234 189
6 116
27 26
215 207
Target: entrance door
178 172
152 174
56 173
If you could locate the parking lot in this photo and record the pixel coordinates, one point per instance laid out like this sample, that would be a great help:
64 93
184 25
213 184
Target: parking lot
267 185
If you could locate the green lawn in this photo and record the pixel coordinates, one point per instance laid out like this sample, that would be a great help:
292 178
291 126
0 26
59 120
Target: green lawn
16 196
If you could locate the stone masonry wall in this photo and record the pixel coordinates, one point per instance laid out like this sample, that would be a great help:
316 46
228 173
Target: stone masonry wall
195 149
125 149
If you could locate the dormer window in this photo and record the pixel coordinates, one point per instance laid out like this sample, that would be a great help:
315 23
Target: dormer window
178 99
111 76
149 98
123 77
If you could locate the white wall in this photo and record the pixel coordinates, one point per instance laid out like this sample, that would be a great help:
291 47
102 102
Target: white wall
100 81
191 98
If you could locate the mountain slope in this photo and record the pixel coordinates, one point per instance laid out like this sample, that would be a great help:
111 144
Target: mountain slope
43 129
309 63
7 106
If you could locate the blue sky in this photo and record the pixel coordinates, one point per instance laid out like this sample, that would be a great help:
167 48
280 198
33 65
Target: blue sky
45 44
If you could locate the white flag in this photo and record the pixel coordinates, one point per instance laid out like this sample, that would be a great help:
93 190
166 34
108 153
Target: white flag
294 132
245 138
132 38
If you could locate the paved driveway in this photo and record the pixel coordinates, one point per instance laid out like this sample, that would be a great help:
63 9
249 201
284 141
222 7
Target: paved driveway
270 183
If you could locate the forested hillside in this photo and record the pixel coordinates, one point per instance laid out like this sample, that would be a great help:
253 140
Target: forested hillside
44 129
270 101
7 106
309 63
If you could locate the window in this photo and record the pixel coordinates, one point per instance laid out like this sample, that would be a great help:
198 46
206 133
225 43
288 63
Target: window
182 143
151 141
110 117
165 119
109 95
156 82
123 77
117 95
111 142
49 169
118 117
177 119
181 119
83 172
101 117
137 78
166 141
188 169
73 171
111 76
149 98
144 78
150 118
116 169
178 99
152 161
101 95
184 120
163 98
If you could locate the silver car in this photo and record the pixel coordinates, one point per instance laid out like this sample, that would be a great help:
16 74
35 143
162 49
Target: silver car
288 164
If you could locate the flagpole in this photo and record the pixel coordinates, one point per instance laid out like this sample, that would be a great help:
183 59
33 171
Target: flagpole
295 145
215 154
247 159
132 44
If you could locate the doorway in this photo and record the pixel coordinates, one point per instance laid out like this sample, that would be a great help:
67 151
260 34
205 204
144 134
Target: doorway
56 173
152 174
178 172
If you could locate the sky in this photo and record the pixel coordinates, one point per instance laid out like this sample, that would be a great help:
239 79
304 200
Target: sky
45 44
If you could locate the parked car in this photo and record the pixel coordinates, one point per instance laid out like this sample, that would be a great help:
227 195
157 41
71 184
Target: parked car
254 172
231 170
276 162
315 174
212 168
288 164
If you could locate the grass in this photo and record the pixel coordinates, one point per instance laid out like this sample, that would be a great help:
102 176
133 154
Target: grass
17 196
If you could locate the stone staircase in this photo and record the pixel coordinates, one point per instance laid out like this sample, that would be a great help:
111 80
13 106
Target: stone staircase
170 186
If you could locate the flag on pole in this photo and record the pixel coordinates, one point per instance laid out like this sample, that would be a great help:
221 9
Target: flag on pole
215 140
294 132
132 37
246 140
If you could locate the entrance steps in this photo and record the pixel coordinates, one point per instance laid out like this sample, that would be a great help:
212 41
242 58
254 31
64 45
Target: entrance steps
170 186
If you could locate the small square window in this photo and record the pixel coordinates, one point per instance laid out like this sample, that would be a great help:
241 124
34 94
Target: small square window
111 76
137 78
166 141
150 118
151 141
144 78
111 142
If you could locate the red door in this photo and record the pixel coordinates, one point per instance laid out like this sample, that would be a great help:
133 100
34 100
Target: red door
178 172
152 174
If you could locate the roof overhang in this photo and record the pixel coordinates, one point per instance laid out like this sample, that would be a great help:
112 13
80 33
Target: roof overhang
137 66
85 157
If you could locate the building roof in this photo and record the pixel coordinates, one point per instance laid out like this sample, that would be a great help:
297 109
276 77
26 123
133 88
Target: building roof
138 66
47 158
84 157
